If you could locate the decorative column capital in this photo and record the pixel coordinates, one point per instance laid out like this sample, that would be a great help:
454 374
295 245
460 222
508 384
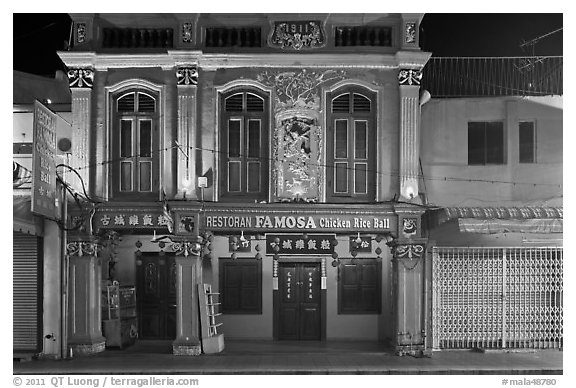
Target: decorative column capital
186 248
83 248
408 251
81 78
187 75
411 77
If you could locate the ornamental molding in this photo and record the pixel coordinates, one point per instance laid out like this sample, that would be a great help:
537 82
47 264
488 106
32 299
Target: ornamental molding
186 248
409 77
81 78
213 61
297 35
187 76
409 251
83 248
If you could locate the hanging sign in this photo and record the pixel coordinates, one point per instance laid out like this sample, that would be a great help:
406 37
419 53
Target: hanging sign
300 244
130 219
44 166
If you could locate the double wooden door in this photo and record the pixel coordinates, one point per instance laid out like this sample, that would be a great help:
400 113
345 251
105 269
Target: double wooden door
299 316
156 296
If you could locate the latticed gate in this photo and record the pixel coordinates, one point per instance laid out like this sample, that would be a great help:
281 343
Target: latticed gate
497 298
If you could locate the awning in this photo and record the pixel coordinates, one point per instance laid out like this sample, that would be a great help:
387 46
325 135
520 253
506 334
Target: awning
23 219
492 226
504 212
494 221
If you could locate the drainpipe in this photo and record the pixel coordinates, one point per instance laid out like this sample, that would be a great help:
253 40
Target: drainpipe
64 280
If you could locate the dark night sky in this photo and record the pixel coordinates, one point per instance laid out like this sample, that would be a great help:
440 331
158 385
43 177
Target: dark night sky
37 37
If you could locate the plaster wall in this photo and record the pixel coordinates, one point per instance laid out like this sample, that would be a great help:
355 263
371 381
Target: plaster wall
444 150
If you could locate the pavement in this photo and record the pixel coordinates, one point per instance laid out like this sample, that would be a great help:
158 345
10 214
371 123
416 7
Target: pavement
292 358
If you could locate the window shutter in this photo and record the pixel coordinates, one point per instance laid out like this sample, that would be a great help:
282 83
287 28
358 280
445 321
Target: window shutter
361 103
146 103
254 103
341 104
126 103
234 103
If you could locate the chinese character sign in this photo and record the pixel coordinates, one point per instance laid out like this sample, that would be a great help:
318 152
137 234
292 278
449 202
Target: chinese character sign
300 244
44 167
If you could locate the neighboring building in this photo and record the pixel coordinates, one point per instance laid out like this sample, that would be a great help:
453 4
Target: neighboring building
497 235
280 159
37 254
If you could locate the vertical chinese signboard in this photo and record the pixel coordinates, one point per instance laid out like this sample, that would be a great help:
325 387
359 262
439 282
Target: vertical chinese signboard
43 164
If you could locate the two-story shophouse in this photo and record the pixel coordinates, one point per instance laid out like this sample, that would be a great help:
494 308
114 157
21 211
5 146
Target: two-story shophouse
273 156
491 154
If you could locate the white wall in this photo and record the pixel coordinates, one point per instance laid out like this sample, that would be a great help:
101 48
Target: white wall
444 152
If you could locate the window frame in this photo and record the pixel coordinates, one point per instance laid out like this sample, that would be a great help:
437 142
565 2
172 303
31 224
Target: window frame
533 160
360 309
367 192
136 118
472 141
239 263
246 159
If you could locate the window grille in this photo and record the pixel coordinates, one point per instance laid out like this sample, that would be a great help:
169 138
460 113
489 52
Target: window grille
495 298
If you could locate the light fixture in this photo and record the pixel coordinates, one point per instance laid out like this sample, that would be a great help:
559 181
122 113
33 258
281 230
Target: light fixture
358 239
242 238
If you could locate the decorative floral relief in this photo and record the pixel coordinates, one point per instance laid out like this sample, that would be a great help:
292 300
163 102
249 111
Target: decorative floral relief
410 32
298 90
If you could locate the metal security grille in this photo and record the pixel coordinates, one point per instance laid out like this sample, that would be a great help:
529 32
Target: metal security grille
496 298
26 288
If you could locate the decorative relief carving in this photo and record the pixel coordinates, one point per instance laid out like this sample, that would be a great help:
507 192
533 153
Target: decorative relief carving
83 248
80 32
409 226
298 138
81 78
410 251
187 32
297 35
409 77
187 75
410 36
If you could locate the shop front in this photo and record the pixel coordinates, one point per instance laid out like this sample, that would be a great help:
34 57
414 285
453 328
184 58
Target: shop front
304 272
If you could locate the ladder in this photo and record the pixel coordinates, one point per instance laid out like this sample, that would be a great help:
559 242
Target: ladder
212 341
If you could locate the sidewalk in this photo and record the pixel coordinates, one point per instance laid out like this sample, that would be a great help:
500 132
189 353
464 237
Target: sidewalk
252 358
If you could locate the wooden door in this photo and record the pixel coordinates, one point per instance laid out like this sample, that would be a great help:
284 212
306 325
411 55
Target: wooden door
156 296
299 302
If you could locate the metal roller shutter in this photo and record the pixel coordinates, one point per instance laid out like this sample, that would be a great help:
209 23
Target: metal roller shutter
27 287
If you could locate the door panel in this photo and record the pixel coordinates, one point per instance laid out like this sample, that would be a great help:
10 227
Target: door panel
299 302
156 290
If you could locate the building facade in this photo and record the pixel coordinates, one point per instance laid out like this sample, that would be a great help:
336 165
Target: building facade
37 255
291 163
273 137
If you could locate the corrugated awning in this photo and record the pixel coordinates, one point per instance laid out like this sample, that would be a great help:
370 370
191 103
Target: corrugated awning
493 226
504 212
492 220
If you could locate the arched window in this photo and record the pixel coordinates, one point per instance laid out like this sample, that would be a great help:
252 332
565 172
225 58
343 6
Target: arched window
135 145
244 145
351 145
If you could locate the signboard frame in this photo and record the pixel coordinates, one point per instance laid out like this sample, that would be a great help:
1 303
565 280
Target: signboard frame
44 191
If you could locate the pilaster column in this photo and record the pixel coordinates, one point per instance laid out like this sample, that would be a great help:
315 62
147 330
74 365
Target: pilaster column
188 276
187 89
84 295
412 277
409 80
81 81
